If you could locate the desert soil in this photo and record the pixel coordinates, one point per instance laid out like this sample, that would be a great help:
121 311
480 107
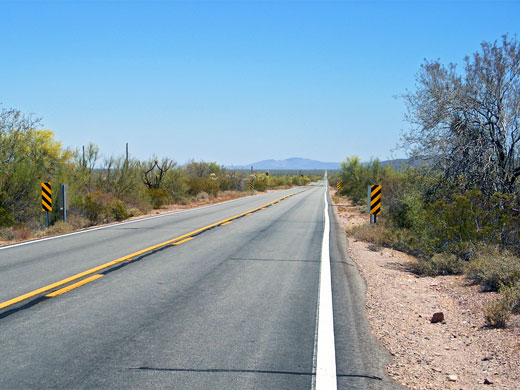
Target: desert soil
459 353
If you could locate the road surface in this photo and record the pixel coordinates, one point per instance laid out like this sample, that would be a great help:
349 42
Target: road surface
232 303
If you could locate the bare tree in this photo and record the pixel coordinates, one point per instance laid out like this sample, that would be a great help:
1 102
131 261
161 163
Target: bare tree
154 173
469 124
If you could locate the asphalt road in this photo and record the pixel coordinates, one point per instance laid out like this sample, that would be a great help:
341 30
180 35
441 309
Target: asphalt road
235 307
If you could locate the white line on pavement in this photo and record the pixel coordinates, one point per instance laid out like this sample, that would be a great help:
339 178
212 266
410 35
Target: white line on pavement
326 352
117 224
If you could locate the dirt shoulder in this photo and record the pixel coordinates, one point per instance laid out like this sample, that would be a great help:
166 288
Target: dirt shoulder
459 353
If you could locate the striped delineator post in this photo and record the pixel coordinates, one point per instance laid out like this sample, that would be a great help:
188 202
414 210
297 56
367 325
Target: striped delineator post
338 186
374 201
47 199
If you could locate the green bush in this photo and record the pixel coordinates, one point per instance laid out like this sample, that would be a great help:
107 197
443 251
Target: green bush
176 185
6 218
118 210
261 182
407 211
92 206
355 177
158 197
493 268
440 264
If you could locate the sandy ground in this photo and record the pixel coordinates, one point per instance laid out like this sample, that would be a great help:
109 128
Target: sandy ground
461 353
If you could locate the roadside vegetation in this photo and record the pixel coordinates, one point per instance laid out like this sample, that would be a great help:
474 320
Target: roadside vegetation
103 189
458 212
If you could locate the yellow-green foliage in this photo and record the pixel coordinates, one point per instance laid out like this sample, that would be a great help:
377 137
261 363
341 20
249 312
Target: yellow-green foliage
28 157
355 177
118 210
158 196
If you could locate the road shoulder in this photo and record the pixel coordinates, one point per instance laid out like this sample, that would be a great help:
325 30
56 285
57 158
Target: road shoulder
360 357
460 353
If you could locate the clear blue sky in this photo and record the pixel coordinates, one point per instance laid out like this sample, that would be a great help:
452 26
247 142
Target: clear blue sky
232 82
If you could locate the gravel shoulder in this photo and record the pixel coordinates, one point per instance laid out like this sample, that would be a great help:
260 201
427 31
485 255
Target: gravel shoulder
459 353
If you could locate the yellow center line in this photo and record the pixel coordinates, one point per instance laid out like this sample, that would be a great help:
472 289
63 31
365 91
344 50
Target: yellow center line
183 241
73 286
226 223
174 241
58 284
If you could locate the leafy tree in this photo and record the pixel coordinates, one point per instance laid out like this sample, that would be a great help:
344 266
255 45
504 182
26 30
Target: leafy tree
28 156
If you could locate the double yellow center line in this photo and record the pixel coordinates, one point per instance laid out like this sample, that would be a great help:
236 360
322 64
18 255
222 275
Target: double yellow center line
175 241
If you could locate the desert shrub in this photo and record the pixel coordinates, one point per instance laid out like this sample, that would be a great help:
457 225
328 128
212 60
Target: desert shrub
117 210
356 177
203 176
24 232
503 220
60 227
134 212
374 247
493 268
6 218
459 222
369 233
383 233
202 196
498 312
304 180
176 185
440 264
512 293
6 234
92 206
158 197
407 211
77 221
261 182
196 185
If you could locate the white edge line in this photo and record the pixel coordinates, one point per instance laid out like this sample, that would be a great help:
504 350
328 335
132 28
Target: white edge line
315 355
326 351
120 223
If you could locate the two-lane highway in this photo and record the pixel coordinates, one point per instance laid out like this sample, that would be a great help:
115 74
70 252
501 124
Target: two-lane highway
232 306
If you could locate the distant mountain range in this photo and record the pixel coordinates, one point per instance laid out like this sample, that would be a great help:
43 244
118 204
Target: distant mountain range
296 163
289 164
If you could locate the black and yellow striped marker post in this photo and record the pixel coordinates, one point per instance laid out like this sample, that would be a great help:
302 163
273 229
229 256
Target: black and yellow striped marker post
339 186
47 199
375 201
251 184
